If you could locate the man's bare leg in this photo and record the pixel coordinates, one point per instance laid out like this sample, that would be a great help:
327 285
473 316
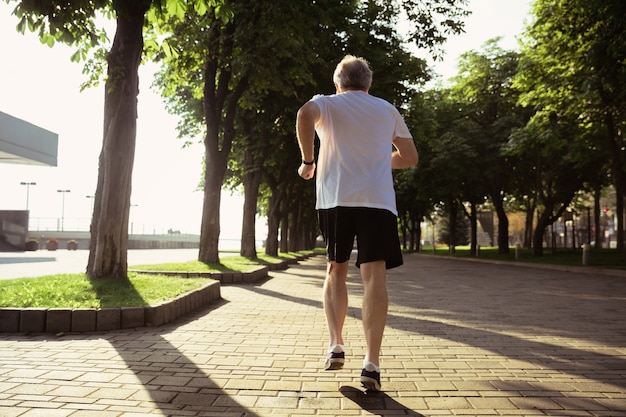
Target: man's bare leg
374 317
336 308
374 309
336 300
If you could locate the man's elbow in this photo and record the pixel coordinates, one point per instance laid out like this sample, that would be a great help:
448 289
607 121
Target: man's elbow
412 159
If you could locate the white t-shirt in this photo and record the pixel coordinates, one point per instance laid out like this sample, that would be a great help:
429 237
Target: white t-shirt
356 132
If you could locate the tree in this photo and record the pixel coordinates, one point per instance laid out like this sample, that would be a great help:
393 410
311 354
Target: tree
561 167
222 67
575 53
489 102
255 148
74 24
415 190
109 225
268 46
432 21
454 228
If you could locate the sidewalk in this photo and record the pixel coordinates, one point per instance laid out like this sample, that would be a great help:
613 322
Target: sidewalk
463 338
43 262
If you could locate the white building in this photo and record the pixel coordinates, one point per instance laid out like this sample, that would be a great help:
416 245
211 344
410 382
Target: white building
22 143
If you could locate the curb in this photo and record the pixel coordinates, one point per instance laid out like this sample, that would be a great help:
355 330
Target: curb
79 320
226 278
591 270
60 321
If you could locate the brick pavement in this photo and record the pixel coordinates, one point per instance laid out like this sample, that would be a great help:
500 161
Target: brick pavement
463 338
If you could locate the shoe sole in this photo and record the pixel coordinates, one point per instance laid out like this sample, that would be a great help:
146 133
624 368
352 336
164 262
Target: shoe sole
370 384
334 364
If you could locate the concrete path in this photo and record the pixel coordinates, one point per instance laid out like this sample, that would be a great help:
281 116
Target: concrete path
463 338
43 262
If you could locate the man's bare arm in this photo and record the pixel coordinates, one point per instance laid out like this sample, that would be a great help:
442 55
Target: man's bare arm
305 131
405 155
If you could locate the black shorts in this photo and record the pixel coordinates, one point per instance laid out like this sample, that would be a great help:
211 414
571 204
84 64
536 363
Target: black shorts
376 232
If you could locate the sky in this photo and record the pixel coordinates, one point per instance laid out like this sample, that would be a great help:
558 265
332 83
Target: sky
42 86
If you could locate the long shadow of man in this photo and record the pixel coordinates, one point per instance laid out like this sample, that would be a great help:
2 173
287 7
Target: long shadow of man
377 403
174 383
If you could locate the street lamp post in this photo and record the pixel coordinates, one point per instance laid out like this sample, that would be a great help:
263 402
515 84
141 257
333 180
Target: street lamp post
130 218
27 184
91 198
63 207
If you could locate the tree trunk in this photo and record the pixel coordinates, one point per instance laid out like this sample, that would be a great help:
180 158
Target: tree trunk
109 224
452 228
251 183
473 229
503 225
596 217
284 233
271 246
543 221
293 234
528 224
404 230
619 213
416 235
408 232
277 207
273 224
617 164
210 226
220 108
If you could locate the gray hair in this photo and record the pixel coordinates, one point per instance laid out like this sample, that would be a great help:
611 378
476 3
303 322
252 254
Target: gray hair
353 73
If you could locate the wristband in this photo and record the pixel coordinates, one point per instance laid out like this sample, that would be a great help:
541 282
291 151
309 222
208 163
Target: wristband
308 163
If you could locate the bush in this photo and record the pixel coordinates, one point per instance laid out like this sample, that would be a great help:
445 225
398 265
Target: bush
31 245
52 244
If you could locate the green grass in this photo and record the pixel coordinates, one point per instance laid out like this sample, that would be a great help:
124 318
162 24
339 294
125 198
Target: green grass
227 264
603 258
79 291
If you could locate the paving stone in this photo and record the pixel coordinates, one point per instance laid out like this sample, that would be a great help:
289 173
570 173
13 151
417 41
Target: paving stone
205 400
458 342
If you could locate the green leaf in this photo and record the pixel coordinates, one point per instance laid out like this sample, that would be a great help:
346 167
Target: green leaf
225 12
176 8
75 56
49 40
168 50
200 8
21 25
150 44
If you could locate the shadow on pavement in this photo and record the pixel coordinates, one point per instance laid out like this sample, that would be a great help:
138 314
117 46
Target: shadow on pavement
377 403
176 384
489 312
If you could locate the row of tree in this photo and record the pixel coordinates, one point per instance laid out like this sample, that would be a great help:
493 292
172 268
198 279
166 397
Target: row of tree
538 131
235 72
525 130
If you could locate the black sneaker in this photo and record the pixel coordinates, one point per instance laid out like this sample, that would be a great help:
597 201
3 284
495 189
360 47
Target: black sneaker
335 360
370 379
